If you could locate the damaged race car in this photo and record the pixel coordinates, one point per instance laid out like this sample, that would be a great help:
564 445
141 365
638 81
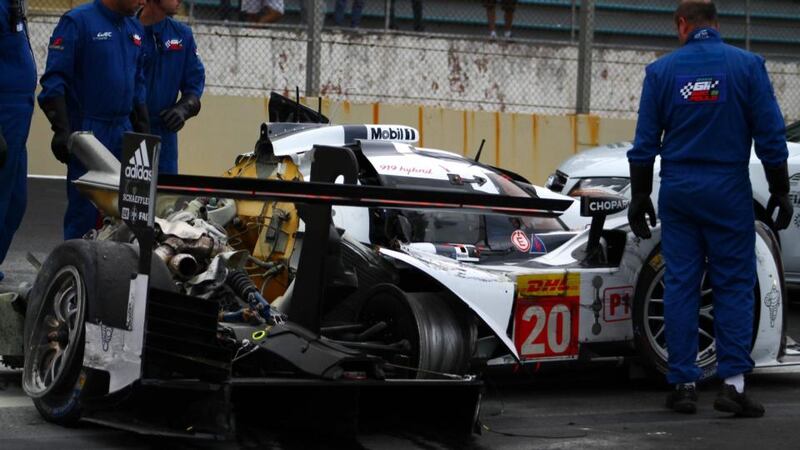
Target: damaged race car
337 259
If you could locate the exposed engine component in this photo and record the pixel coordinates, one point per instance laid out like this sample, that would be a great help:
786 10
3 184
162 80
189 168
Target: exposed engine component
241 285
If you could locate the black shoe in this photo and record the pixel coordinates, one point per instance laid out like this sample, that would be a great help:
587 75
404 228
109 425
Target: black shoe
683 399
730 401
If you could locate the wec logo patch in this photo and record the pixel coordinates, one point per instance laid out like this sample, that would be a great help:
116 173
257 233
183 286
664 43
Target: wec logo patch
103 36
700 89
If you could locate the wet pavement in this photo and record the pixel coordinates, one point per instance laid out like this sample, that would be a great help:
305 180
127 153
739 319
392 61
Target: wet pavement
597 408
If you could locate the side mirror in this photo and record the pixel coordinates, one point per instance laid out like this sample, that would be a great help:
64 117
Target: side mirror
602 204
598 205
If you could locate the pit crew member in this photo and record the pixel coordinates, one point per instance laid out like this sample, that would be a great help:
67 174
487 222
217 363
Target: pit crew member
172 67
710 101
93 81
17 85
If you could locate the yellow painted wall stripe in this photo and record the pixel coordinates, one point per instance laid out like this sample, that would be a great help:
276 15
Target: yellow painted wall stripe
228 126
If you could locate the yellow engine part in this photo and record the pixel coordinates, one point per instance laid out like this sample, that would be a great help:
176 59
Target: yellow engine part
266 229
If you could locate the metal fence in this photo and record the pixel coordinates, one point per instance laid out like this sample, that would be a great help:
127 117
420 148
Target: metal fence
444 53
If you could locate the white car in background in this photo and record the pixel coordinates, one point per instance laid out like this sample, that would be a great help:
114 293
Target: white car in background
606 168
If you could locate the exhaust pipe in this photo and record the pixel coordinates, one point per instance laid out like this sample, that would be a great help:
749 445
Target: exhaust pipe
184 265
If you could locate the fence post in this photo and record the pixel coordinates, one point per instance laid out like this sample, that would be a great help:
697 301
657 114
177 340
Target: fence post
747 25
586 35
387 7
572 21
316 16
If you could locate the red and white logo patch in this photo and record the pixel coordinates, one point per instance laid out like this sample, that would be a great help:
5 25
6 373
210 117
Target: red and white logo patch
700 89
136 39
173 45
57 43
520 241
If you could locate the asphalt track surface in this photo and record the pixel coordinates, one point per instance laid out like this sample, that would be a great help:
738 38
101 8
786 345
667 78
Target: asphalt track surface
596 408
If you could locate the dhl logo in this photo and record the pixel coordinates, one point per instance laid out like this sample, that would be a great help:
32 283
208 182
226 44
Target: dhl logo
549 285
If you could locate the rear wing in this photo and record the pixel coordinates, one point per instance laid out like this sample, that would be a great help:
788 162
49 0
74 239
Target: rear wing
332 162
326 193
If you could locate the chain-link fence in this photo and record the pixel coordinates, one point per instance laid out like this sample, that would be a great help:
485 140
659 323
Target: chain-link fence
447 53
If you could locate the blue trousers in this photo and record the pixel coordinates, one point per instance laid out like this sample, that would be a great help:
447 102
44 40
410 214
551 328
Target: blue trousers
707 222
168 155
16 111
81 215
355 12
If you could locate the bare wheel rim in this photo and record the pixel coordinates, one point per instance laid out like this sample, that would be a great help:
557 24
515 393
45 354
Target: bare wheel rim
654 320
54 341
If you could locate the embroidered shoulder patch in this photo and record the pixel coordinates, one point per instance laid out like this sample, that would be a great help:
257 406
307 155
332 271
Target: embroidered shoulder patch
57 43
692 90
173 45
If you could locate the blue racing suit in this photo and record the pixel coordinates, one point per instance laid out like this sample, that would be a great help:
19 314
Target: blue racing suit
95 60
710 100
172 66
17 85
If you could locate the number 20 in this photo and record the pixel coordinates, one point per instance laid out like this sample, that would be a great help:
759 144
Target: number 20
557 344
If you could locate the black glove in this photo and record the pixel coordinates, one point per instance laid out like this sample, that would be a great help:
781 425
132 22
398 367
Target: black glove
55 108
641 205
16 14
140 118
778 180
175 117
3 149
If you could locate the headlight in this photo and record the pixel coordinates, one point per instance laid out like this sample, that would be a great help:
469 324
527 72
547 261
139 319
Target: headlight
611 184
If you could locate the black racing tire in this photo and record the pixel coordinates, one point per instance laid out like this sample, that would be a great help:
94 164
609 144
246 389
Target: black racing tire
649 337
440 339
67 275
648 323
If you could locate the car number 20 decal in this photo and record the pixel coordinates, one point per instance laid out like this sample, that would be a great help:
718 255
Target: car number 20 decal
546 316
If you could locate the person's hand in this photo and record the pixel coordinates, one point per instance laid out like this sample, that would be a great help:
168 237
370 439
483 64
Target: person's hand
3 150
55 109
641 206
778 181
140 118
638 209
785 210
174 118
59 146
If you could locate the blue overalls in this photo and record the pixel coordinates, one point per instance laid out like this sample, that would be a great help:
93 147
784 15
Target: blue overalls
17 85
710 100
172 66
95 60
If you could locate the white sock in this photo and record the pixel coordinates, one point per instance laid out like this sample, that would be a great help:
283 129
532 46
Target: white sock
684 384
492 34
507 34
737 381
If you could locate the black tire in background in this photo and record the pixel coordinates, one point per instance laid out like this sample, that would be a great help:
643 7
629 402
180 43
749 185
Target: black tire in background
440 339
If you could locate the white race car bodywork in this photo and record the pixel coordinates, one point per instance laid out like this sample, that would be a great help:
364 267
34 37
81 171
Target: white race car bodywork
540 308
533 304
611 161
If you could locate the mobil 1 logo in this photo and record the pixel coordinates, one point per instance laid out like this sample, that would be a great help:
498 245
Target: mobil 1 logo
138 180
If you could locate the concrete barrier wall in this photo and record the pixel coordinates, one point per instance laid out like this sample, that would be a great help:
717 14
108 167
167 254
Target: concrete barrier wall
530 144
